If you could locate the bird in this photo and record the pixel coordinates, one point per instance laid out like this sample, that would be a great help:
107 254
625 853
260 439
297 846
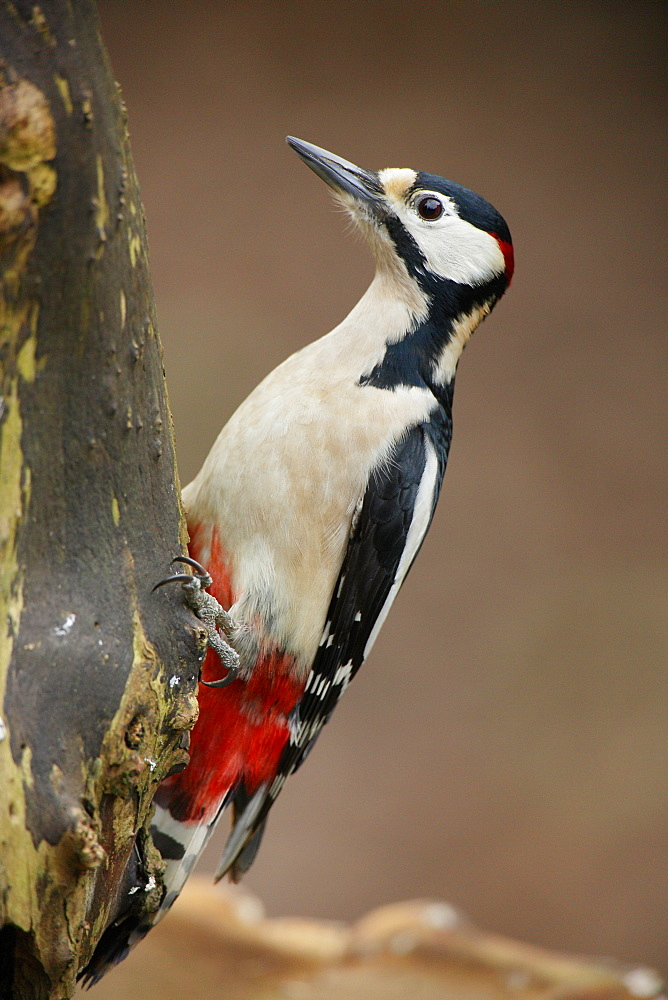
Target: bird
312 505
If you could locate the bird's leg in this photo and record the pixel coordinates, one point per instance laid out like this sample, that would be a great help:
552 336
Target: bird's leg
212 616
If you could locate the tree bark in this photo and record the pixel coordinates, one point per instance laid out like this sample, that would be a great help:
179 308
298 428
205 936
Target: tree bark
98 675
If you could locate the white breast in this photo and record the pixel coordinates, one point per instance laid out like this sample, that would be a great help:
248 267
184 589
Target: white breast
284 477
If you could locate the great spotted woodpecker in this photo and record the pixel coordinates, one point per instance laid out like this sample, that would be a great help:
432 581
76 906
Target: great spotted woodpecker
314 502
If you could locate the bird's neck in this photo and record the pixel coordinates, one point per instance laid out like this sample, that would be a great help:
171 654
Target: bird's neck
391 306
421 329
402 332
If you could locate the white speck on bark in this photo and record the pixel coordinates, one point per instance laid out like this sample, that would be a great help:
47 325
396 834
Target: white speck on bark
66 627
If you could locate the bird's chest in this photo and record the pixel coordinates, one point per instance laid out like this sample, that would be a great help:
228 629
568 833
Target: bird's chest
292 469
306 456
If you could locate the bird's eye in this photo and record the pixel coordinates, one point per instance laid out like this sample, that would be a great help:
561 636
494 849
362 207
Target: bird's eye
429 208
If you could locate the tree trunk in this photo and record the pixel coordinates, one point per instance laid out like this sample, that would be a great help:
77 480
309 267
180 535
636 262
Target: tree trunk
98 675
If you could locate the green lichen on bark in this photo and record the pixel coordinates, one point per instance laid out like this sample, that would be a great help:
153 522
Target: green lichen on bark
27 143
98 675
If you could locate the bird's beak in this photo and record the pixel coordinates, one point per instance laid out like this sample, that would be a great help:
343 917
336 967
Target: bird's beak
342 176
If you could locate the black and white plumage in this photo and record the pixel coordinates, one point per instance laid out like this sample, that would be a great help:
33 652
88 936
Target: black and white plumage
314 502
385 537
453 291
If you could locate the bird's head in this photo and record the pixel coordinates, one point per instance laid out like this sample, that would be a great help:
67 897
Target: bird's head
450 241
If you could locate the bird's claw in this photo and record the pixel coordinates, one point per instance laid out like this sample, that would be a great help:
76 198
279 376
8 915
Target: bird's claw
201 575
212 616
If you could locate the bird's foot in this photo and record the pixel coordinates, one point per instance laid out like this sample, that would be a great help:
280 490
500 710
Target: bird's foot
212 616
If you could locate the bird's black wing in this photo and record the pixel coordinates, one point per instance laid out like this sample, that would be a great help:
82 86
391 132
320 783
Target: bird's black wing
386 534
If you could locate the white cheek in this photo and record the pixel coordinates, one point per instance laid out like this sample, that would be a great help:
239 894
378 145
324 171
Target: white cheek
456 250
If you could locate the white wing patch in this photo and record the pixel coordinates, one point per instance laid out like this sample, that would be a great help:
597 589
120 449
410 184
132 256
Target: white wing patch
342 675
424 505
301 733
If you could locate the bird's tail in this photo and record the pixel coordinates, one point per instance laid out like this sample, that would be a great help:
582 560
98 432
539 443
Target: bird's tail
180 844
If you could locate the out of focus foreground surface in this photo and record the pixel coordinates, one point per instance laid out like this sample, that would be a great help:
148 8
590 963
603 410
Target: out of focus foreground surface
504 748
217 943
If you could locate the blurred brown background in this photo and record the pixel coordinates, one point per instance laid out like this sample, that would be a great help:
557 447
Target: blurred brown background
505 746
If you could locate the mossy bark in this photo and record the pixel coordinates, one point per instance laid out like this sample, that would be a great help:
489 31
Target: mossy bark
98 675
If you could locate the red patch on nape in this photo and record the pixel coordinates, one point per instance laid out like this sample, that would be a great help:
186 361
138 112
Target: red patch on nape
508 256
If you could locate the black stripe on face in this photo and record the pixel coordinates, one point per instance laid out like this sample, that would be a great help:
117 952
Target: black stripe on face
451 298
407 249
413 360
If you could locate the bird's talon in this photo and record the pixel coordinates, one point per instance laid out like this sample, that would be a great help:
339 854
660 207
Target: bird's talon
199 580
183 577
210 613
201 574
232 674
191 562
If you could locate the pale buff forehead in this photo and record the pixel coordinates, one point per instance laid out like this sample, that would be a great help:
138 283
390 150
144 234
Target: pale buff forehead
397 181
